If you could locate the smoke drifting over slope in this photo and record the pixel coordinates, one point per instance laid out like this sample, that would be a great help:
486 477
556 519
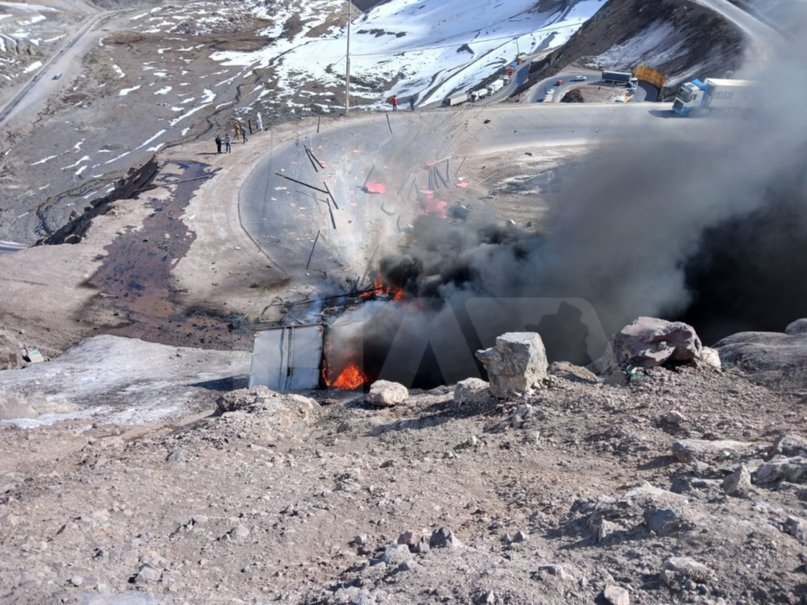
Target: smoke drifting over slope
710 227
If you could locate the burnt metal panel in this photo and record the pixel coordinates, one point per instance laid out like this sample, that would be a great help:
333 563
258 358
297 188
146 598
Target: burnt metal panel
287 358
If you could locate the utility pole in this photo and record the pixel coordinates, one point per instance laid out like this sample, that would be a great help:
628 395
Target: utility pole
347 60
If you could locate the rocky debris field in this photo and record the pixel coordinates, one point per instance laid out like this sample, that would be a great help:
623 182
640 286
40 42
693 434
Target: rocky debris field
678 483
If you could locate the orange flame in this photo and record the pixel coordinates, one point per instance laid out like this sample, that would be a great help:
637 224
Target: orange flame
381 289
350 378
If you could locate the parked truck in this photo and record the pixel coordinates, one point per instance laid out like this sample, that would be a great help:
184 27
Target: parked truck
457 99
620 77
495 86
715 93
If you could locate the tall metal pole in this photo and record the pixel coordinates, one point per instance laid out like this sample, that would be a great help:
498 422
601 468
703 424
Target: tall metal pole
347 60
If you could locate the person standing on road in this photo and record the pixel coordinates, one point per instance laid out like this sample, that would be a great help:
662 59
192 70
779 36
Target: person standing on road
394 102
227 147
412 103
218 143
243 134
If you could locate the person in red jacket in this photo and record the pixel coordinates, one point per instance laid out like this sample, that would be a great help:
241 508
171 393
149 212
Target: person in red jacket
394 102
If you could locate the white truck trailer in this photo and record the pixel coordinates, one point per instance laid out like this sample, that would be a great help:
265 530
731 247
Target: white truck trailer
715 93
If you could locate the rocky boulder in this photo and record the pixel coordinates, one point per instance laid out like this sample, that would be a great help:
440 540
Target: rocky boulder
797 327
263 414
777 360
516 364
386 394
648 342
472 391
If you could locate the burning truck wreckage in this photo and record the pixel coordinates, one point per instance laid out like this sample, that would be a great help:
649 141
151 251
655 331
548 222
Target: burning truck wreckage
418 314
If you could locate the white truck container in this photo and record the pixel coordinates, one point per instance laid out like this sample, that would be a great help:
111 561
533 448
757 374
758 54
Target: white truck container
457 99
495 86
715 93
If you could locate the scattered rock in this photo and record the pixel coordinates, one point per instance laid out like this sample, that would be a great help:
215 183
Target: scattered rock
443 538
710 358
520 536
422 546
516 364
616 595
789 444
552 569
738 483
470 443
676 571
395 554
520 416
779 469
797 528
147 574
407 538
472 390
283 408
177 456
687 450
239 532
674 419
385 393
648 342
572 372
242 398
664 521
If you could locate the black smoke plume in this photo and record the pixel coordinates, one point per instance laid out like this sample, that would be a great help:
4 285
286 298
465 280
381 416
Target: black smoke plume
695 218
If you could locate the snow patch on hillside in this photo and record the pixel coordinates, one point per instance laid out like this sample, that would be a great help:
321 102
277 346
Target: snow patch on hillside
428 48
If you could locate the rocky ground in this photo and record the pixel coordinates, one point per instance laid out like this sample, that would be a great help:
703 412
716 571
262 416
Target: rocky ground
673 488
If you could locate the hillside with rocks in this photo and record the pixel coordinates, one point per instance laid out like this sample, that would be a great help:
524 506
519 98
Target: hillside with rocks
662 483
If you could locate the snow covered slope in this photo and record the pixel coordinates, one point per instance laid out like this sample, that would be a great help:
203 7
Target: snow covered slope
428 48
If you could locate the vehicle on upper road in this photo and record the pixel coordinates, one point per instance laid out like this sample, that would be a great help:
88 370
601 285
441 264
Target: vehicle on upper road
560 82
456 99
579 79
619 77
495 86
715 93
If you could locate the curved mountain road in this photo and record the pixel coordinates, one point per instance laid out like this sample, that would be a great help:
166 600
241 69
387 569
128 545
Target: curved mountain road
283 216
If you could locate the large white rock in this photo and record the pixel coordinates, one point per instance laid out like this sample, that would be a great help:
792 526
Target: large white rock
516 364
385 393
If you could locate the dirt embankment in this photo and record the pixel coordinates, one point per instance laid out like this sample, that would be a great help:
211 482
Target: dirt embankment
664 491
